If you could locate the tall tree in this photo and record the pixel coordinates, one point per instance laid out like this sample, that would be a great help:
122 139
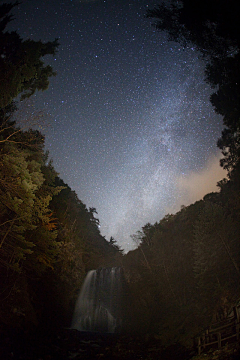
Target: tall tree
27 185
216 255
22 69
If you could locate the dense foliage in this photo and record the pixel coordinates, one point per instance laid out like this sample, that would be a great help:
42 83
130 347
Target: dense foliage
186 270
47 233
48 237
22 69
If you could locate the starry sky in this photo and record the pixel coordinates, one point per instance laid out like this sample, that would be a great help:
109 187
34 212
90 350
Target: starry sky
129 124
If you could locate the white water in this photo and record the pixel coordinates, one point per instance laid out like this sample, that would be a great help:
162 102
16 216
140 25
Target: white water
97 307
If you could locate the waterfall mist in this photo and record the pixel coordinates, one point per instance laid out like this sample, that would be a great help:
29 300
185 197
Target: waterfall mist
98 308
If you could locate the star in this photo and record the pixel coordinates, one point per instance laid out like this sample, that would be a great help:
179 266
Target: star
130 112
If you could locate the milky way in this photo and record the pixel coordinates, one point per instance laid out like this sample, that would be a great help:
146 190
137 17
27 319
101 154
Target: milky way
131 128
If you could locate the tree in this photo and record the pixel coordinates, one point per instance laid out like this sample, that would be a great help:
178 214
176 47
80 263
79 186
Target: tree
114 245
22 69
20 179
27 227
216 249
213 28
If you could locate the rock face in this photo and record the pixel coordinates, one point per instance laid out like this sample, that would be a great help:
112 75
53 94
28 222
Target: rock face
98 308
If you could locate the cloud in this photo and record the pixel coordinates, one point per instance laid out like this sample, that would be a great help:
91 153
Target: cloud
196 185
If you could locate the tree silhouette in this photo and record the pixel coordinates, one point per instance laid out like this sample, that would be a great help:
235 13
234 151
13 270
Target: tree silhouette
22 69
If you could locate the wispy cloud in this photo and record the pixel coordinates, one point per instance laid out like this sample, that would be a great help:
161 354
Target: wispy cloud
196 185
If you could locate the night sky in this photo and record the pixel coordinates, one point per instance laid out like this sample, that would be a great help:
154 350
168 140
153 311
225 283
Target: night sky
129 124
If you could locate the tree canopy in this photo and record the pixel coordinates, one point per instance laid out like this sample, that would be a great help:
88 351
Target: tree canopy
22 69
46 232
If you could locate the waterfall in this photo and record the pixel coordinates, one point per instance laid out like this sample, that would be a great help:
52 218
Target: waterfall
98 308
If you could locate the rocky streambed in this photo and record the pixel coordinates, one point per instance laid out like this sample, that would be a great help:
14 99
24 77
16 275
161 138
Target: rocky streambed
72 344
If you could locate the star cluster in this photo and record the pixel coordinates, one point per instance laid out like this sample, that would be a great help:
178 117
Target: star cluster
131 126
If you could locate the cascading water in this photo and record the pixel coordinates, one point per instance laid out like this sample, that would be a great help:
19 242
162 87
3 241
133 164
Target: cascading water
98 308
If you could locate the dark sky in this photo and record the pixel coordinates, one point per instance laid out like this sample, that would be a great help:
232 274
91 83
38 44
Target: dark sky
130 125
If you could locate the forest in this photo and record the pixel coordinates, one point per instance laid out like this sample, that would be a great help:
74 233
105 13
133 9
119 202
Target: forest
185 272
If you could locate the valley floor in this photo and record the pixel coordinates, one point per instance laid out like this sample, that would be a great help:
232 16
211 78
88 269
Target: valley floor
70 344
